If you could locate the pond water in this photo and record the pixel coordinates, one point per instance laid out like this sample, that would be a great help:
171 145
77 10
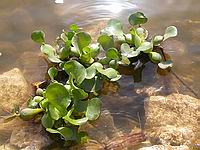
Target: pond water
124 101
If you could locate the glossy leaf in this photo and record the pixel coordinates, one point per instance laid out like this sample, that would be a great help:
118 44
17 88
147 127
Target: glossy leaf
81 40
155 57
74 121
137 18
29 113
79 94
93 109
91 72
52 72
80 106
74 27
114 27
165 64
128 52
109 72
171 31
146 47
38 36
106 42
124 61
112 53
136 39
95 50
58 96
64 53
157 40
67 133
75 69
47 121
54 112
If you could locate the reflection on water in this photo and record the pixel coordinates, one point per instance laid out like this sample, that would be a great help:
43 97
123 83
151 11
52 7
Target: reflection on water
19 18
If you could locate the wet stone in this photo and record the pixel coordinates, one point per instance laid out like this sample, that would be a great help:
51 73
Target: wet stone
173 120
14 90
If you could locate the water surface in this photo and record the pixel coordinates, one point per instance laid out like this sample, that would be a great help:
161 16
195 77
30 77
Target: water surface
125 102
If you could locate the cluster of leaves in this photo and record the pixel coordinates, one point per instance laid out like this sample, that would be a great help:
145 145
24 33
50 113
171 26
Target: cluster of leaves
71 97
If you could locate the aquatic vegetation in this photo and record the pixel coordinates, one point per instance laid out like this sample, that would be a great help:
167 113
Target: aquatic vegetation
71 95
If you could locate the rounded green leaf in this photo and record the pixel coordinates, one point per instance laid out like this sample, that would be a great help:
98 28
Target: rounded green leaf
137 18
157 40
74 27
112 53
127 51
47 49
91 72
67 133
93 109
109 72
165 64
76 70
94 50
79 94
58 96
155 57
38 36
52 72
171 31
54 113
74 121
106 42
81 40
114 27
64 53
146 47
47 121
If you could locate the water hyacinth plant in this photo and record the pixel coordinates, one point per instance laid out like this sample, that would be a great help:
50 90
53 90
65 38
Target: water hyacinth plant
71 95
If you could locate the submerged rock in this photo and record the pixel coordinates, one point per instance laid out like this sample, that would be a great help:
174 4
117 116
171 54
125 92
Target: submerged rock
29 136
14 90
33 66
173 120
165 147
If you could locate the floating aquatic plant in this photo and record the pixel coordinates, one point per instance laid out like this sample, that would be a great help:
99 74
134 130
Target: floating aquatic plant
71 96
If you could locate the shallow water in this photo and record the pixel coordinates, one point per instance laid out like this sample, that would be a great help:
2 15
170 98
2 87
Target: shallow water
19 18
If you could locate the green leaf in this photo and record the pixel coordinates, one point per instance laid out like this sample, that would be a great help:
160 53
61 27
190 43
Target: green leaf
155 57
80 106
112 53
75 69
171 31
95 49
113 64
67 133
93 109
52 72
50 52
74 27
64 53
136 39
79 94
74 121
47 122
63 36
91 72
29 113
124 61
116 78
109 72
92 85
54 113
106 42
58 96
165 64
142 33
114 27
38 36
157 40
137 18
146 47
128 52
81 40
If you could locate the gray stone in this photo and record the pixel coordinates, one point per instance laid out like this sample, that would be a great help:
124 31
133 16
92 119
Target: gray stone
173 120
14 89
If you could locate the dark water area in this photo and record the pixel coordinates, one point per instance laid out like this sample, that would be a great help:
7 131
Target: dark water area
124 101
